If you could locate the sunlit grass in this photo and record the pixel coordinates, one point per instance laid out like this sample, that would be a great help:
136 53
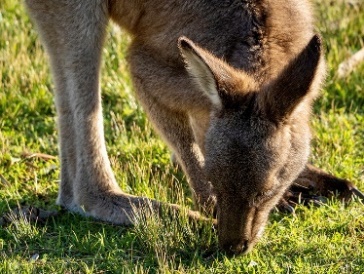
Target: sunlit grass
328 239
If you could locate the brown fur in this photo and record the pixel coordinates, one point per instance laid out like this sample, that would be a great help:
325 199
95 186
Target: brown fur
236 118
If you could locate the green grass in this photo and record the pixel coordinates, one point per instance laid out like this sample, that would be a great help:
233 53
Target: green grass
329 239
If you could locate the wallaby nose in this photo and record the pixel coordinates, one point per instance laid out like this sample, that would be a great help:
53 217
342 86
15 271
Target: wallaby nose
237 248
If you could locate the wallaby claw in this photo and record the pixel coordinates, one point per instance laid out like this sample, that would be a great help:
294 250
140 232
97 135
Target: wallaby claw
285 207
358 193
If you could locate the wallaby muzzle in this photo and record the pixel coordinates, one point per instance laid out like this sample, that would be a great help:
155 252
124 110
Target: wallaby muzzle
239 226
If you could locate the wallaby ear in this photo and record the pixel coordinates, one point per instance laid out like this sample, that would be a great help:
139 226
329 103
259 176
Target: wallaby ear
293 85
197 61
223 84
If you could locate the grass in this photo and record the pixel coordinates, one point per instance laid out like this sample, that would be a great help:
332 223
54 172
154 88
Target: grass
329 239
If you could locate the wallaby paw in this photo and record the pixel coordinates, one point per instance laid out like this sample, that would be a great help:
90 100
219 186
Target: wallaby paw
123 209
285 207
314 187
320 183
28 214
288 204
115 208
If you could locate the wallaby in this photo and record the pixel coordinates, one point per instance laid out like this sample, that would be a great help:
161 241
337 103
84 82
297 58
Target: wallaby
228 84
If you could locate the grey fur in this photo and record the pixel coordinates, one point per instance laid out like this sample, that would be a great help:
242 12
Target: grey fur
232 101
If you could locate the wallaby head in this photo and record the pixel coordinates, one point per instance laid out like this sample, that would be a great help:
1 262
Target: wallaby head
258 137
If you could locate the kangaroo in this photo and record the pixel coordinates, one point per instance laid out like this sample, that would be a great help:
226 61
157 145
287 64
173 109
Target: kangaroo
227 84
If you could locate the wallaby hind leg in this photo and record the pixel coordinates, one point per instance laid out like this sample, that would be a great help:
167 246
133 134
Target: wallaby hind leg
51 26
73 33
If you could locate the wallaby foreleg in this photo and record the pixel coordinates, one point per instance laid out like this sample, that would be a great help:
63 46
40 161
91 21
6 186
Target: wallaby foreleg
169 98
314 185
326 184
174 128
179 136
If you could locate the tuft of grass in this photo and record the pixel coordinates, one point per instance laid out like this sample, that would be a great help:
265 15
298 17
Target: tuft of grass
328 239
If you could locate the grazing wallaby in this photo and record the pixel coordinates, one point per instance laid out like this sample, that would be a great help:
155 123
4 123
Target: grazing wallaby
228 84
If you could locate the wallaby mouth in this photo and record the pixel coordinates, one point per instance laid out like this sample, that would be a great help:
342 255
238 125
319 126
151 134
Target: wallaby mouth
240 226
236 228
239 247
